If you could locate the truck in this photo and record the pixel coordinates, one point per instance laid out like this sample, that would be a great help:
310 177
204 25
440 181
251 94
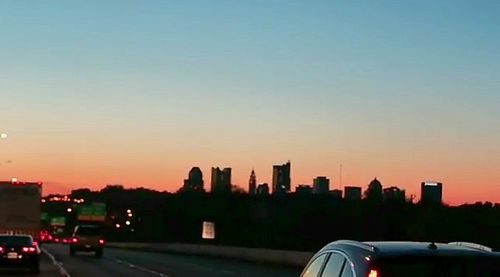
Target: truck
20 208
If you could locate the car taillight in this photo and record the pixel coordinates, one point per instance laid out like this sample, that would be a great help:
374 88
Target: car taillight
373 273
30 249
101 241
74 240
1 249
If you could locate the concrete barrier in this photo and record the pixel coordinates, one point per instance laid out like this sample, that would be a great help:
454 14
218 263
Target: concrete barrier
256 255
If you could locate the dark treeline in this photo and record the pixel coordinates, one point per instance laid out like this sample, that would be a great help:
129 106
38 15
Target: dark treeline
291 221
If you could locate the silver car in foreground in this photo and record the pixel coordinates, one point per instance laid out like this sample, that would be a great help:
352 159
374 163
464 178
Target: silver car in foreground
346 258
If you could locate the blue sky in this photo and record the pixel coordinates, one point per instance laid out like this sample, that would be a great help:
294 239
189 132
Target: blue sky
319 82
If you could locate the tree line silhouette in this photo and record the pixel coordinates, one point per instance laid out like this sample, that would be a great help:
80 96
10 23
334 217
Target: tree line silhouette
286 221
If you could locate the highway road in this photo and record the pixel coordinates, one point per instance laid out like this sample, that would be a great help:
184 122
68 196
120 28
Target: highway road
123 263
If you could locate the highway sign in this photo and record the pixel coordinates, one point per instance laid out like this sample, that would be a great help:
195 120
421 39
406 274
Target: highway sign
58 221
92 212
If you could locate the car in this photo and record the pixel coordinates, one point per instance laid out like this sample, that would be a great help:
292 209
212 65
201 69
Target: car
19 252
347 258
45 237
87 238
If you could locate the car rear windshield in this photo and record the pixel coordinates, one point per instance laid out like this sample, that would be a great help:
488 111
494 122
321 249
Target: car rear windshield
444 266
15 240
88 231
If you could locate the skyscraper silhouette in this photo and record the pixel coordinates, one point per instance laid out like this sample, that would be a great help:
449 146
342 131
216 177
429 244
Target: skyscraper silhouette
352 193
374 191
394 194
431 193
263 189
281 178
303 190
321 185
194 182
221 179
252 183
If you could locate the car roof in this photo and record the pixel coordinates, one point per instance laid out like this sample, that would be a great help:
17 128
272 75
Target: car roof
399 248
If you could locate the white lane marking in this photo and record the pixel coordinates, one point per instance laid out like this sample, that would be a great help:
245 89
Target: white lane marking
140 268
59 265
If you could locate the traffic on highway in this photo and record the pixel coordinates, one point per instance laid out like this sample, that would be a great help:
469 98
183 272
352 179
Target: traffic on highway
118 262
340 258
76 246
45 247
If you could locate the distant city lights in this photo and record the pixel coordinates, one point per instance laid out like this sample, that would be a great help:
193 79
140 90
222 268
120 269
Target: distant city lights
63 198
127 222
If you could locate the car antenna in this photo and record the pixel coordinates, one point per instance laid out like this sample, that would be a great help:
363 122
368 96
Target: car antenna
432 246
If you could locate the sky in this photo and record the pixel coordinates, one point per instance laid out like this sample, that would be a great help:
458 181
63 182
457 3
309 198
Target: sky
138 92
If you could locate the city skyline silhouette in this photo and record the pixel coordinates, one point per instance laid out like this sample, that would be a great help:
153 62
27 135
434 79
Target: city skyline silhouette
92 96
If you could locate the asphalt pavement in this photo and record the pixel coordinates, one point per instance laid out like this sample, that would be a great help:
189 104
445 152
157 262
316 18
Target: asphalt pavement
124 263
47 269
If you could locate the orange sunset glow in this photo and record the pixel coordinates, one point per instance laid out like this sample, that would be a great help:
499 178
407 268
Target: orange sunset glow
139 98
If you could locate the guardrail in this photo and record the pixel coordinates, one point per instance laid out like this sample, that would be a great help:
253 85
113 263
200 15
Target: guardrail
255 255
